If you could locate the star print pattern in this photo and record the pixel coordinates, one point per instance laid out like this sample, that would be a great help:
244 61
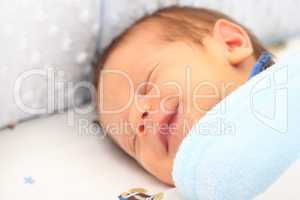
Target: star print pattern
43 35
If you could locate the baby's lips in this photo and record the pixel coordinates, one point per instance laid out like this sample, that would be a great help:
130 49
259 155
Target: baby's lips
164 139
155 127
167 126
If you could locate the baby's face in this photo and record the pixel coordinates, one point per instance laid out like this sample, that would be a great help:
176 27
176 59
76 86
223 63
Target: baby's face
151 93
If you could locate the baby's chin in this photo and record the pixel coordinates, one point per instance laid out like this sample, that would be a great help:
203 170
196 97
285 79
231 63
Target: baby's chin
168 180
162 171
166 177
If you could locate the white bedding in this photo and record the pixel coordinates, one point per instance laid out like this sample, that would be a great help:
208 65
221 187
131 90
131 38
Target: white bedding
65 163
50 159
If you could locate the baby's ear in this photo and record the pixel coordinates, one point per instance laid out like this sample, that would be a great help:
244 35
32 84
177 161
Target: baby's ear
235 40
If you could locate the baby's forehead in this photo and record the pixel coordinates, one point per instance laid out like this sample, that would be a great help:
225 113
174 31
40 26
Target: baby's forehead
152 28
136 47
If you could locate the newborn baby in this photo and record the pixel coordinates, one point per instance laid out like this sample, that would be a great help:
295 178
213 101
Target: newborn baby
164 73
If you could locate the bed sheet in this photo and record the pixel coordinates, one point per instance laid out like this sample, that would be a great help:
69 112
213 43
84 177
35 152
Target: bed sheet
52 158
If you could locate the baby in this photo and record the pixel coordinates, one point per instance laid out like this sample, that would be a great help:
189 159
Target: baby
164 73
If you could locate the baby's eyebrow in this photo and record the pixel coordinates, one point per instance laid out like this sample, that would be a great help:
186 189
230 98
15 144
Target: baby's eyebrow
148 77
152 71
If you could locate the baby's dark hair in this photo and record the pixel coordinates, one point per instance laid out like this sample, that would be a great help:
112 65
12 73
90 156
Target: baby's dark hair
181 23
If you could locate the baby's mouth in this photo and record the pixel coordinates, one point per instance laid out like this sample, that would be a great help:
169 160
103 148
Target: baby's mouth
166 128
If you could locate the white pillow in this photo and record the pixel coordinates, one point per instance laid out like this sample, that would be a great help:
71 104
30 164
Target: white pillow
117 15
272 21
50 36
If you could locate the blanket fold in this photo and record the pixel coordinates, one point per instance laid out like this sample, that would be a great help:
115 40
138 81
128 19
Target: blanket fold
243 145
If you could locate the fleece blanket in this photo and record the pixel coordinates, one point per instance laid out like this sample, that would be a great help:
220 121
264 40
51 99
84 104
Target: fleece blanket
242 146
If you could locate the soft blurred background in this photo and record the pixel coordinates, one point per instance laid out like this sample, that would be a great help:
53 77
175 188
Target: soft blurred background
47 50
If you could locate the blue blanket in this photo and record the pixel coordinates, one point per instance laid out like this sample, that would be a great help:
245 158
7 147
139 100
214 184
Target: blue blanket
243 145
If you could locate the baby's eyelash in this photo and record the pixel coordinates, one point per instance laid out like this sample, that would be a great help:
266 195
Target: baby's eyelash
149 77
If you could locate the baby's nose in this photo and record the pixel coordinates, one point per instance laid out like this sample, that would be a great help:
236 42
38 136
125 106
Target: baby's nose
140 115
142 125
